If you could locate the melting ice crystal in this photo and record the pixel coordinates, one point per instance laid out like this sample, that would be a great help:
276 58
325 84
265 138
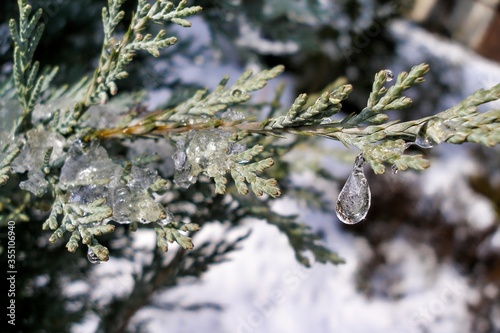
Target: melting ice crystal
354 198
31 158
90 174
204 151
134 204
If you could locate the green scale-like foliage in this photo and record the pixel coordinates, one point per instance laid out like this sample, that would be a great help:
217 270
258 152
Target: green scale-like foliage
215 134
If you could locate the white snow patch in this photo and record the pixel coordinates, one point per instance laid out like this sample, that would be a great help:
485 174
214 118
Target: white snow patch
447 182
495 240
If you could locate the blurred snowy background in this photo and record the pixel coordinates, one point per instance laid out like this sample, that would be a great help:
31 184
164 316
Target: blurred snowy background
427 257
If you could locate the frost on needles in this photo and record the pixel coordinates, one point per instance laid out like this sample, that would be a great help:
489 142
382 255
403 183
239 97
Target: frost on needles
50 149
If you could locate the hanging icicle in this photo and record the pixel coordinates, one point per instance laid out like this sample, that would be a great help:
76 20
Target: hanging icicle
355 197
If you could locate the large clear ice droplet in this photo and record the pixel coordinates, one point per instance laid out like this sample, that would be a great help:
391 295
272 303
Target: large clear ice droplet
355 197
93 258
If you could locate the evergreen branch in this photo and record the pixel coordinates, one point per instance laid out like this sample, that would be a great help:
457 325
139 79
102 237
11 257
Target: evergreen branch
97 253
382 142
83 221
391 152
208 152
175 16
222 97
328 104
17 210
116 55
26 36
184 117
383 99
7 156
111 17
152 46
303 240
463 123
171 232
92 189
242 172
65 120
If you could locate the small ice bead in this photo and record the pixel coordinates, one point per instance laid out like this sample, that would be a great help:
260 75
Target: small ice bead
394 169
389 75
93 258
354 199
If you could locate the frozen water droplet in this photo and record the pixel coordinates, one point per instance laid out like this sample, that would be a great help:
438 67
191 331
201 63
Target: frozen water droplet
135 205
236 93
408 145
88 166
168 219
436 130
424 139
389 75
354 198
122 202
142 177
36 183
394 169
93 258
184 178
122 193
85 194
203 162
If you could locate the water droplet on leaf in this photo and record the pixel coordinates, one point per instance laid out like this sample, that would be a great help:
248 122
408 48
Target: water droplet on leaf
93 258
423 139
389 75
355 197
236 93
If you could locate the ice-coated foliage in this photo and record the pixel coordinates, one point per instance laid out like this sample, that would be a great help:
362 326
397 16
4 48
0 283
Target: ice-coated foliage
205 151
64 145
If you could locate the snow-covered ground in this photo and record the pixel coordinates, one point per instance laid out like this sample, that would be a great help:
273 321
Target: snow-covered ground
263 289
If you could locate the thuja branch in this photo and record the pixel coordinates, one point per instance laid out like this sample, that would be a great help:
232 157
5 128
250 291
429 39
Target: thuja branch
334 131
116 54
382 141
26 34
342 130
